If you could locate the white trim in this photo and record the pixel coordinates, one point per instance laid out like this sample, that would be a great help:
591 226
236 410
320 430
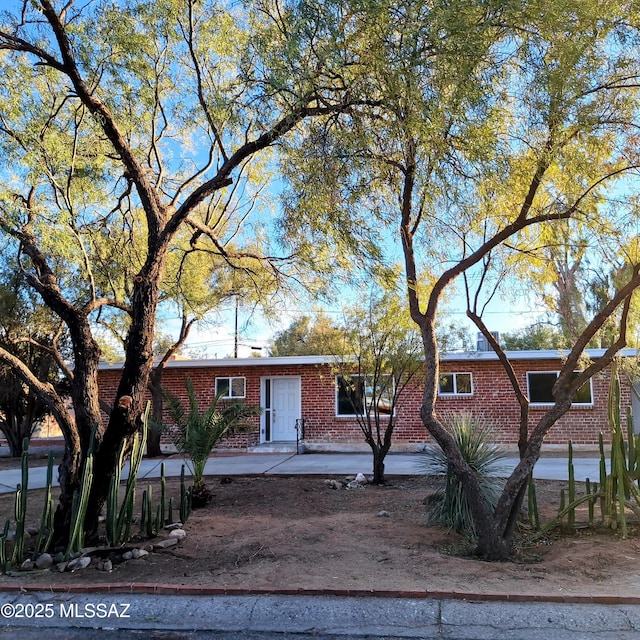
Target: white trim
454 356
231 379
456 393
236 362
547 354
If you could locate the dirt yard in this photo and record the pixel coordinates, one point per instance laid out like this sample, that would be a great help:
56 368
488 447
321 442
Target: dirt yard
297 532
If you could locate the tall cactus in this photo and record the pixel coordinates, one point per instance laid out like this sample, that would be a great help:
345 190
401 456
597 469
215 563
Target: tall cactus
120 515
45 533
20 505
5 563
571 516
79 502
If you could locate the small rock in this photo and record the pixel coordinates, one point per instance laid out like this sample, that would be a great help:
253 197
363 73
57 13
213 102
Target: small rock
44 561
27 565
59 557
334 484
127 555
180 534
33 531
173 525
62 566
384 514
79 563
165 544
107 565
139 553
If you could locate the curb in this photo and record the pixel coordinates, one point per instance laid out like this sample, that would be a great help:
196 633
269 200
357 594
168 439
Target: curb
267 615
142 588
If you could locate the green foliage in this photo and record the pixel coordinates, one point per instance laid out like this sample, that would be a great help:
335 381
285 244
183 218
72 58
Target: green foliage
533 337
307 336
617 490
448 506
27 331
197 432
381 355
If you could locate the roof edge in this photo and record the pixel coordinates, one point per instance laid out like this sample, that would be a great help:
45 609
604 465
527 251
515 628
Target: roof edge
546 354
236 362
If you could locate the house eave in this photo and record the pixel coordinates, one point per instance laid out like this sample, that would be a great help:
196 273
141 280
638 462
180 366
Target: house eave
283 361
237 362
546 354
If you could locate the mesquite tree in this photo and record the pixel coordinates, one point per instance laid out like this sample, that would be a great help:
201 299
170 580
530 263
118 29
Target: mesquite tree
380 356
120 125
497 121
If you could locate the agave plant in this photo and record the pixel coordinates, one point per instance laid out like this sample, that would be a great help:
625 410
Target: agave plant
448 505
197 432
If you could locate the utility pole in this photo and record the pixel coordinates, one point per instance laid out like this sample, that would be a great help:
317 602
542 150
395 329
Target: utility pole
235 334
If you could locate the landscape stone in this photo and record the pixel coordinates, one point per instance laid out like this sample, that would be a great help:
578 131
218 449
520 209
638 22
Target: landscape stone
79 563
165 544
27 565
44 561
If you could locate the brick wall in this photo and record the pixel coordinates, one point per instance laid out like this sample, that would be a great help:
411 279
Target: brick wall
492 399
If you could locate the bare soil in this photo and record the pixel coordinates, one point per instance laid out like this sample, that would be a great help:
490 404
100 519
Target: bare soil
298 533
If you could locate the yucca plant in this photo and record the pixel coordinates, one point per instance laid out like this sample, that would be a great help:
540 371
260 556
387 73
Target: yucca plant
198 432
448 505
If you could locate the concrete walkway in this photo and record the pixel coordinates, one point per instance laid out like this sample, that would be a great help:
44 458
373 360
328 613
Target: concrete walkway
322 464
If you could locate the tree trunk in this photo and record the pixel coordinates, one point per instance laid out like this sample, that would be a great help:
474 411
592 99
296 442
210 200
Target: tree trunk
378 464
154 436
126 416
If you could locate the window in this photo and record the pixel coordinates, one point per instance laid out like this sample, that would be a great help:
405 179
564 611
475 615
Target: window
540 384
459 384
355 395
230 387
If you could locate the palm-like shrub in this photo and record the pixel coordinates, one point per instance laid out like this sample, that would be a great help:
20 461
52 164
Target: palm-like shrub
197 432
448 505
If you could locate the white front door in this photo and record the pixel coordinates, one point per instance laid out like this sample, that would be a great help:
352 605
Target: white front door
282 409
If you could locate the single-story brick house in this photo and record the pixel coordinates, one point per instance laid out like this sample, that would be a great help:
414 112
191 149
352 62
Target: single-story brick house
302 398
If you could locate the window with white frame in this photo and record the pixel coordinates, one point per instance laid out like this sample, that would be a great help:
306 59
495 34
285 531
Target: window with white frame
356 394
540 387
455 384
231 387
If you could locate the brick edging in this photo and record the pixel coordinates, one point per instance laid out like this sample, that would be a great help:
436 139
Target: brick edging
197 590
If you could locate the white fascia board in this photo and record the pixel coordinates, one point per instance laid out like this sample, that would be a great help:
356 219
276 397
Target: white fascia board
237 362
460 356
548 354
